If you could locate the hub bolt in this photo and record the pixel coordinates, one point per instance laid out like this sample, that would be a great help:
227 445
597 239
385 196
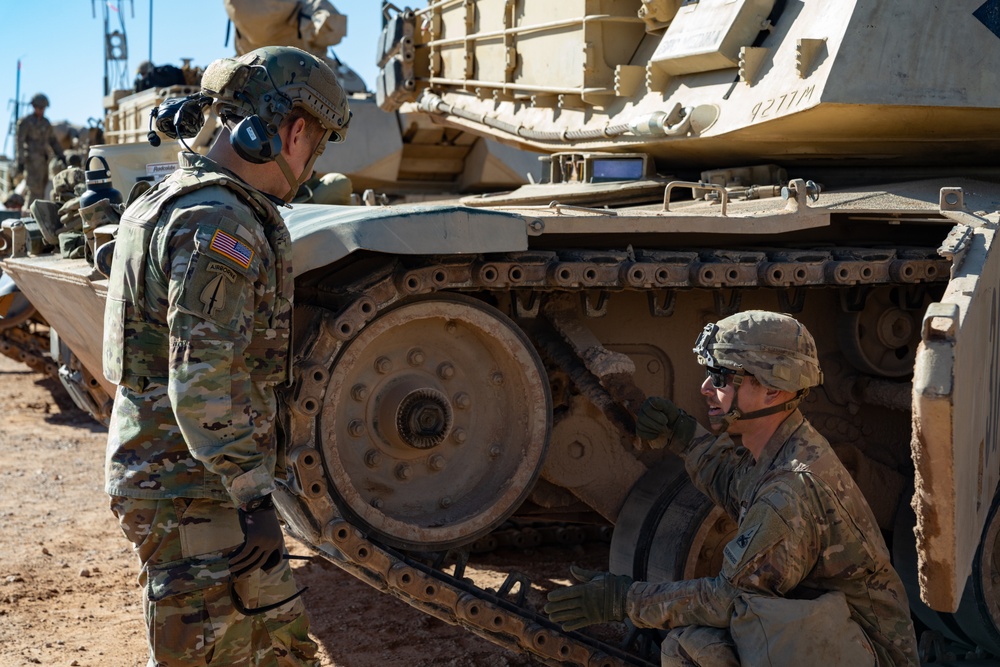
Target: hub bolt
459 435
416 357
403 471
372 458
463 401
383 365
446 371
359 392
377 503
356 428
437 462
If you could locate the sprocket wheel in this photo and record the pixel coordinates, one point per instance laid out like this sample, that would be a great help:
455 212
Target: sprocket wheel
435 423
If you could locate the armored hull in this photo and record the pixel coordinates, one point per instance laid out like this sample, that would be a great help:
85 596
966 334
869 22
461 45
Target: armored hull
462 364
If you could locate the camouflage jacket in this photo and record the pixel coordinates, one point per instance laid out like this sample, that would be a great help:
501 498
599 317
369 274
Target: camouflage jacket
804 529
197 329
34 137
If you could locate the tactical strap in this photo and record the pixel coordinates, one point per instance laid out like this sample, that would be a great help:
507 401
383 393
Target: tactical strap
734 414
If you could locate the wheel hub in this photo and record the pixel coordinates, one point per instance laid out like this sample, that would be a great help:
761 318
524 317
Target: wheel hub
424 418
433 446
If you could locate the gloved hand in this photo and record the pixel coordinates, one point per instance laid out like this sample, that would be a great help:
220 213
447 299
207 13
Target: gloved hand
659 416
599 599
263 543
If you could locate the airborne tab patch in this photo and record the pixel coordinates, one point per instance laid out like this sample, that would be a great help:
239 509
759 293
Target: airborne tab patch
229 247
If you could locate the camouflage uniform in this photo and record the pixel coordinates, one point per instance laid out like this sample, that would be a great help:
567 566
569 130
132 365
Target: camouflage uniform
34 138
197 335
804 529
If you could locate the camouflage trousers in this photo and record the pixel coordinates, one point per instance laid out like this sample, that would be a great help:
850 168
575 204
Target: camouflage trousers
767 630
697 646
36 178
190 617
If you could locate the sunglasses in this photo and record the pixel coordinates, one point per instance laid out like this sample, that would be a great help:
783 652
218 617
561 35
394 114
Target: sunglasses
719 375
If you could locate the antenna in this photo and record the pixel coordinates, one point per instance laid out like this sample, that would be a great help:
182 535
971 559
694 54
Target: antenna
115 44
15 103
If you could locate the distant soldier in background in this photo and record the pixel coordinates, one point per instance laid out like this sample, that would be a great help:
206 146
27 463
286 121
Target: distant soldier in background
34 139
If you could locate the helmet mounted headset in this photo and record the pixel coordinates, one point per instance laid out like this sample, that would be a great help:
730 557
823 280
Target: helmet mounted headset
253 105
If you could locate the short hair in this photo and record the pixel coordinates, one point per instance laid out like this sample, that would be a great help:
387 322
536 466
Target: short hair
313 127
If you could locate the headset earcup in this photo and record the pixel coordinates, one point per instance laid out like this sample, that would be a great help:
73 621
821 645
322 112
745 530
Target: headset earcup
252 142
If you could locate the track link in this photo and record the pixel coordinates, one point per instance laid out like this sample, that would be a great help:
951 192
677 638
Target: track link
337 312
26 345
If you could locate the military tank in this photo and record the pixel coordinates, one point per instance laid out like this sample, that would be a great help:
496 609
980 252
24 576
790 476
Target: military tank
459 365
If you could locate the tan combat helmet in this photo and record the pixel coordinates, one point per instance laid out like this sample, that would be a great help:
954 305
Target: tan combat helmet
40 100
776 349
254 93
269 81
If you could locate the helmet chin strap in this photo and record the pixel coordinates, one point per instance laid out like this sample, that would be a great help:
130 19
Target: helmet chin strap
735 414
293 182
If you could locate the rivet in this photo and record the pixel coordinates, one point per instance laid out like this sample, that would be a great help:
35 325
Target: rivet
451 327
494 451
496 377
415 357
377 503
356 428
403 471
383 365
462 400
446 371
446 502
359 392
653 366
437 462
372 458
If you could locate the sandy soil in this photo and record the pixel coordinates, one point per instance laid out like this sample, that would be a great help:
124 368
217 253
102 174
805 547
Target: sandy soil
68 595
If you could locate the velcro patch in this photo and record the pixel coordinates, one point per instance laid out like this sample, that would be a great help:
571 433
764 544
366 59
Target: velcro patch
228 246
738 545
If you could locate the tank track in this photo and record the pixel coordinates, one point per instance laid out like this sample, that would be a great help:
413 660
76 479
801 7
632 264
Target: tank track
338 311
24 344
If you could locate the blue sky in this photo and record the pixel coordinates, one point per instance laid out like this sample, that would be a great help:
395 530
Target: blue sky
61 44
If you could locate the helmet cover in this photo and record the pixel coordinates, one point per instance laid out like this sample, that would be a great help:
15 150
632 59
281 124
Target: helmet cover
775 348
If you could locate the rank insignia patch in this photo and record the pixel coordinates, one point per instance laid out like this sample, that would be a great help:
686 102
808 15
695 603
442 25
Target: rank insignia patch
228 246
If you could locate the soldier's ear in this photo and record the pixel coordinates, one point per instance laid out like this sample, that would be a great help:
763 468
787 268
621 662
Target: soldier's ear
776 396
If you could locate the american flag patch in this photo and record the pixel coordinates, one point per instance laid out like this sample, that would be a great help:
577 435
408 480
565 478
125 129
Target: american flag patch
227 246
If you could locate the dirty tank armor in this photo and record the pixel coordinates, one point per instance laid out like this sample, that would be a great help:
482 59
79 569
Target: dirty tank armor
460 365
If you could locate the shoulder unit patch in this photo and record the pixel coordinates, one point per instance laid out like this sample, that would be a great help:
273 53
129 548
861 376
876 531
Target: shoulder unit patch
231 248
737 547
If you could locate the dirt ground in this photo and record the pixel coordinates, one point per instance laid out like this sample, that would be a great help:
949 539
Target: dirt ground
68 595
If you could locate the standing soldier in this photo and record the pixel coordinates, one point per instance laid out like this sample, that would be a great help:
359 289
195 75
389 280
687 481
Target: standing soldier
34 139
807 579
197 330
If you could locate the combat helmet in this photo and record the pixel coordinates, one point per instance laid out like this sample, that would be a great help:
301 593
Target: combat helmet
254 93
268 82
776 349
39 100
